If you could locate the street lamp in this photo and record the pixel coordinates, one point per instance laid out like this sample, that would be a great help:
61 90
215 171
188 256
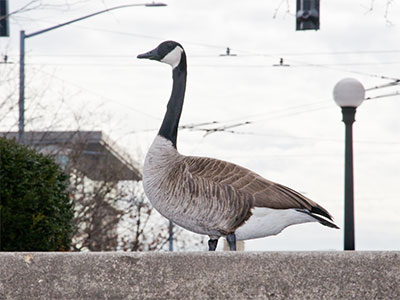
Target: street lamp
23 36
349 93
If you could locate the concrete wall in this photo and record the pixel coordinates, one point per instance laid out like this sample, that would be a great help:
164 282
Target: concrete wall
219 275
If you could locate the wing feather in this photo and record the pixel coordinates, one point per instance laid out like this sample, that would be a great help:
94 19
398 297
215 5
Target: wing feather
260 191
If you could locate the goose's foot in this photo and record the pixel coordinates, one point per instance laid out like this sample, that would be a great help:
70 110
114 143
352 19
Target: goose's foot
212 244
231 239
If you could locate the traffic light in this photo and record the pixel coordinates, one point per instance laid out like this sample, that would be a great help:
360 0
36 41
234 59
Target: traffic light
4 30
307 15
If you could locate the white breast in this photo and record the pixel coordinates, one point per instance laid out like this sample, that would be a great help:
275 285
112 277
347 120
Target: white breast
165 195
159 159
267 221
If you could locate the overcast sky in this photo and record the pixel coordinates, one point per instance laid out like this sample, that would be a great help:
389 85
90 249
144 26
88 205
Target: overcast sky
86 75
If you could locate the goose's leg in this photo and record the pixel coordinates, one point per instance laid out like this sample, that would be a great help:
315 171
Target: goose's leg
212 244
231 239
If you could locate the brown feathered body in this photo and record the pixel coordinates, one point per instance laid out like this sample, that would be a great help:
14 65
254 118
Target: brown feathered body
216 198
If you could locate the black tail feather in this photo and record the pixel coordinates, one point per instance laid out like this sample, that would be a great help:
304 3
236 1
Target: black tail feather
324 222
321 211
321 220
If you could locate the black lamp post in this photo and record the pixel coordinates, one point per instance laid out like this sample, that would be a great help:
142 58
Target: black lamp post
349 93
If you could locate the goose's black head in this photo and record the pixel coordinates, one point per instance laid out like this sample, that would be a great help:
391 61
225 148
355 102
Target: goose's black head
169 52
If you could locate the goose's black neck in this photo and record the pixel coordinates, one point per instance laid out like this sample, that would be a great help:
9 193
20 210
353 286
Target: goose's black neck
169 127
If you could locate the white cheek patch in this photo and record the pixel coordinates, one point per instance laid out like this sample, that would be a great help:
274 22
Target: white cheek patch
174 57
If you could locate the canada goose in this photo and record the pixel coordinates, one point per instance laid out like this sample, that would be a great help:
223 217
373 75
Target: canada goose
210 196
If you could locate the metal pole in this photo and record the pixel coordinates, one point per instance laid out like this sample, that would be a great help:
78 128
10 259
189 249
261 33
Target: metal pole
348 119
21 121
171 236
153 4
24 36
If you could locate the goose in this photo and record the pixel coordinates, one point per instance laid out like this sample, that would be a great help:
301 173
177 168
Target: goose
210 196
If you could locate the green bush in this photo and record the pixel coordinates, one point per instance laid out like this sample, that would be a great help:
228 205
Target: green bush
35 210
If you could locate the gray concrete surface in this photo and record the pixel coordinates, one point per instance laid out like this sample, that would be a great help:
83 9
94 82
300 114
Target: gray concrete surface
220 275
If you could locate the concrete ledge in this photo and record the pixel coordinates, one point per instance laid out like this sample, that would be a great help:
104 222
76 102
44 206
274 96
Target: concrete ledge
220 275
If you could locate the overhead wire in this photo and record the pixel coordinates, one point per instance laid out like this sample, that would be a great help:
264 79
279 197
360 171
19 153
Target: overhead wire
391 84
316 138
237 66
329 66
252 53
396 93
99 95
286 54
313 154
277 111
245 120
249 52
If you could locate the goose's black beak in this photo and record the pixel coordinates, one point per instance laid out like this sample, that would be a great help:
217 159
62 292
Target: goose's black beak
153 54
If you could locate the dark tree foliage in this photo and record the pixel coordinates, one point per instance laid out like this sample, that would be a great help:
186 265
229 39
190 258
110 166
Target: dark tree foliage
35 210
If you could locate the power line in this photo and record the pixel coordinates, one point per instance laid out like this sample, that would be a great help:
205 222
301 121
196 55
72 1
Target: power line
227 124
231 66
215 46
315 138
287 155
99 95
252 53
348 71
329 66
223 128
396 93
116 55
277 111
390 84
333 53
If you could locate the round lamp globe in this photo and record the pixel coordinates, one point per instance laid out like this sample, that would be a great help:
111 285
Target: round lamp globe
349 92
